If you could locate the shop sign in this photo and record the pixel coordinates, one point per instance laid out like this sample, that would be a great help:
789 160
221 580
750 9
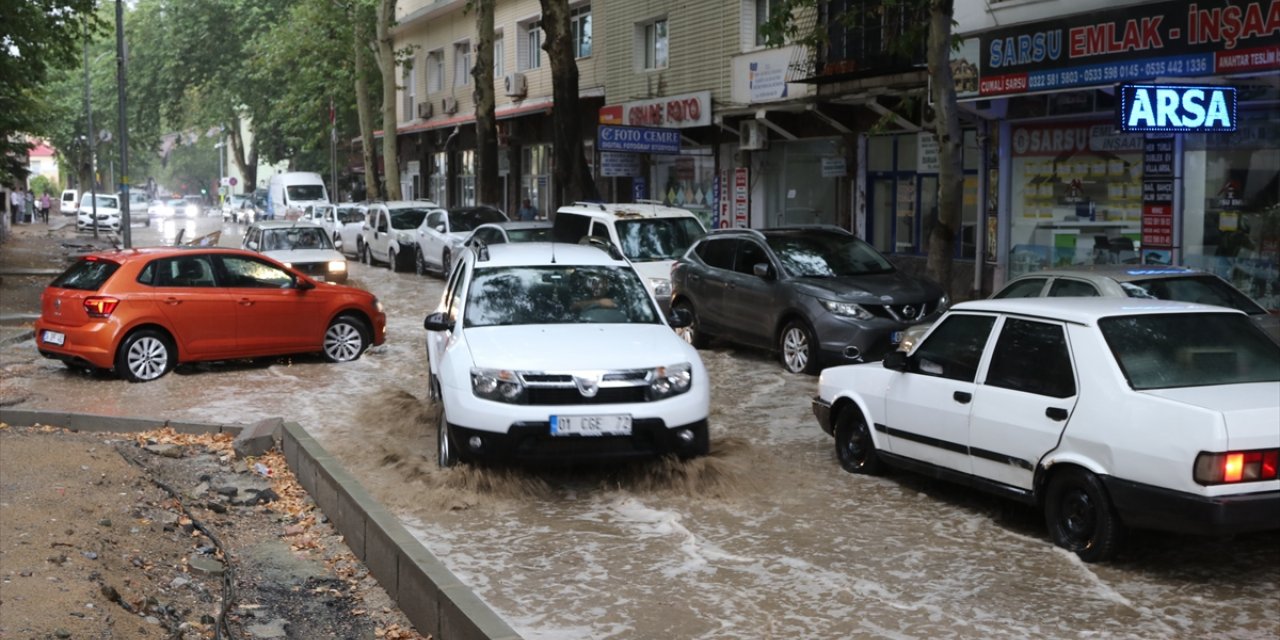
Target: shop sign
1157 192
1053 140
834 168
740 196
927 153
639 139
1145 107
1173 38
619 165
674 112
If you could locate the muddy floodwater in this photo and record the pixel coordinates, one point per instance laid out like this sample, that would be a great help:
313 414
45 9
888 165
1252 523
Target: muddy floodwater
765 538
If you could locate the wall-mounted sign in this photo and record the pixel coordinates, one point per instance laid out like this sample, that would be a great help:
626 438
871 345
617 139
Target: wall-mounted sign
639 139
619 165
1175 108
673 112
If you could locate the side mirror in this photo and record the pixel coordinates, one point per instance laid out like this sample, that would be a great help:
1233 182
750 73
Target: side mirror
680 318
762 270
896 360
437 321
302 284
252 245
440 228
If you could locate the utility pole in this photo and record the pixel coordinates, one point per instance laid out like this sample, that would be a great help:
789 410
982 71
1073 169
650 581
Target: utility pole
91 140
124 127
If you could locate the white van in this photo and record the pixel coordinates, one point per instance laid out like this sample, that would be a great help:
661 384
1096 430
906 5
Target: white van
70 202
288 194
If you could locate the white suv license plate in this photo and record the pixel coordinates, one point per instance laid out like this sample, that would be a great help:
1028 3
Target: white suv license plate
590 425
52 337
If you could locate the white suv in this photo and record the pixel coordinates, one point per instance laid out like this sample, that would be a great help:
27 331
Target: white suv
542 351
107 209
649 234
389 233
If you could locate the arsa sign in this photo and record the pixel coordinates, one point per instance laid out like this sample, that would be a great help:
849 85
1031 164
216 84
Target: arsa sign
1176 108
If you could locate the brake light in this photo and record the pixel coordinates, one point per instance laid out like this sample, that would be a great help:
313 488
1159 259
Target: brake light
100 306
1237 466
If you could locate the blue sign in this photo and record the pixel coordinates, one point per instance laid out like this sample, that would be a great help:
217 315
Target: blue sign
639 189
639 139
1175 108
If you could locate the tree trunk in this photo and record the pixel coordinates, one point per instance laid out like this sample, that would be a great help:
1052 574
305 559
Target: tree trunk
572 176
950 142
387 61
365 113
488 188
237 156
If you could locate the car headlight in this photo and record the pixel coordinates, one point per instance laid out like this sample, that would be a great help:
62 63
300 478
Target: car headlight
192 210
499 385
673 380
338 265
846 309
661 287
404 238
377 304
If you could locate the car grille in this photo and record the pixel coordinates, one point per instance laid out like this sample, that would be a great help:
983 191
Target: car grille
556 388
903 312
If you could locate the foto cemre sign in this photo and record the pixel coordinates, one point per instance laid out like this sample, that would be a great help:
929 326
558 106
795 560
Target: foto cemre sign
1175 108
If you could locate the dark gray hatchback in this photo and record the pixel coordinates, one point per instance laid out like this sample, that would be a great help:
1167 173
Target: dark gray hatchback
818 296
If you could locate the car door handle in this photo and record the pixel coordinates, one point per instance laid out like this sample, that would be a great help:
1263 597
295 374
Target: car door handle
172 301
963 397
1057 414
245 302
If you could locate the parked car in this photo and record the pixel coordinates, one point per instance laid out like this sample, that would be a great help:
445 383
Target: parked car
325 215
649 234
351 219
1104 414
288 193
139 312
816 295
389 233
442 233
558 352
299 245
1160 282
179 207
139 207
232 206
195 205
69 202
492 233
107 211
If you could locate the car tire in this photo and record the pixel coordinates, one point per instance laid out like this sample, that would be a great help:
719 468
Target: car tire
855 449
419 262
345 339
393 260
798 348
446 260
145 355
446 453
1080 517
366 257
693 334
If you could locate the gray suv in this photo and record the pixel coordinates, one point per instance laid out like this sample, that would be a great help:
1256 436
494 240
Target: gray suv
819 296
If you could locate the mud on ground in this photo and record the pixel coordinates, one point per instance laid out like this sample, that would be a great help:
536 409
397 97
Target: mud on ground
162 535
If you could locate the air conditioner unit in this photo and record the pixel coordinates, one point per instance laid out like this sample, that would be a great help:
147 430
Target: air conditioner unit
424 110
753 135
516 85
449 105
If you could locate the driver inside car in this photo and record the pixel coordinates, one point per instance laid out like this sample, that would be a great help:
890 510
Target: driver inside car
593 293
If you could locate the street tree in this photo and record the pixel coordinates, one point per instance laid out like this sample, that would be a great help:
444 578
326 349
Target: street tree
570 166
366 76
788 24
488 188
389 63
37 38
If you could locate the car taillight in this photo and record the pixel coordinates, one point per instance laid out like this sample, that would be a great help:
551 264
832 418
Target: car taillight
100 306
1237 466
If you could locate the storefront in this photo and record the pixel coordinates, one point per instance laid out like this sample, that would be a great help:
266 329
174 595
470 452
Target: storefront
902 194
1075 188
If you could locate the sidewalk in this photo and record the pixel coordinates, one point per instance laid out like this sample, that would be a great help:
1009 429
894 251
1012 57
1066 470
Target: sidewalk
30 258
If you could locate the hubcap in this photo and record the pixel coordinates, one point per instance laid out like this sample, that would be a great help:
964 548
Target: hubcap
148 358
342 342
854 449
795 350
420 263
1078 516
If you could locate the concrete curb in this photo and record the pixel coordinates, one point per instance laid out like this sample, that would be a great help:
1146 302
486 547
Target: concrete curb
433 599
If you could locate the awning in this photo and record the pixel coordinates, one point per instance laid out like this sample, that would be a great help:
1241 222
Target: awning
524 108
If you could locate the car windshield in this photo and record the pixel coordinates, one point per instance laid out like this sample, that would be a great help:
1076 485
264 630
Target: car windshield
557 294
1204 289
407 218
305 192
827 255
1191 350
536 234
657 238
469 219
293 239
103 201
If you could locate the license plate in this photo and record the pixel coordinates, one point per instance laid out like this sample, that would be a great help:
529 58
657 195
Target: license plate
895 337
52 337
590 425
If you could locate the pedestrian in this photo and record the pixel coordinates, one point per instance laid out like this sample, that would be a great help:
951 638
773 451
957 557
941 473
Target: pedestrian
44 206
29 207
15 204
527 211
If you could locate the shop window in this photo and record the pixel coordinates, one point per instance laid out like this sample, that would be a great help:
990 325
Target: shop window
903 194
466 178
438 179
535 178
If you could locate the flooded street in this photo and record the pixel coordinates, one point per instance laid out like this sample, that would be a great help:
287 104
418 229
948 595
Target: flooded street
765 538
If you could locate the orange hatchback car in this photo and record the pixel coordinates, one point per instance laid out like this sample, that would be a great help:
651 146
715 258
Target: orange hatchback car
142 311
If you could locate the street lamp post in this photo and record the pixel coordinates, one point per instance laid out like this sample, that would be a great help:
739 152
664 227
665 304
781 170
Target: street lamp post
91 140
124 126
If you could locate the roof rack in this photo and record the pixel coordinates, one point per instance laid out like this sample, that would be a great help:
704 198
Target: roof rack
589 203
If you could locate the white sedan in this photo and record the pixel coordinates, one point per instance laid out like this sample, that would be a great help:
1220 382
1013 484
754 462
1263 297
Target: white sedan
1106 413
441 235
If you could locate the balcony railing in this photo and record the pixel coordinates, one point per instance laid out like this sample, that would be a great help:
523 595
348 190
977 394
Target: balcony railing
862 38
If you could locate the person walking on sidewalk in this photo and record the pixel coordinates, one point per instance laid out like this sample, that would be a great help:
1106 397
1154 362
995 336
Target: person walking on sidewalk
15 203
29 208
44 206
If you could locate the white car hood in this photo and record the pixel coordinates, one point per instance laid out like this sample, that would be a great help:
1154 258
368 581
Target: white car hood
577 347
1251 411
305 256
